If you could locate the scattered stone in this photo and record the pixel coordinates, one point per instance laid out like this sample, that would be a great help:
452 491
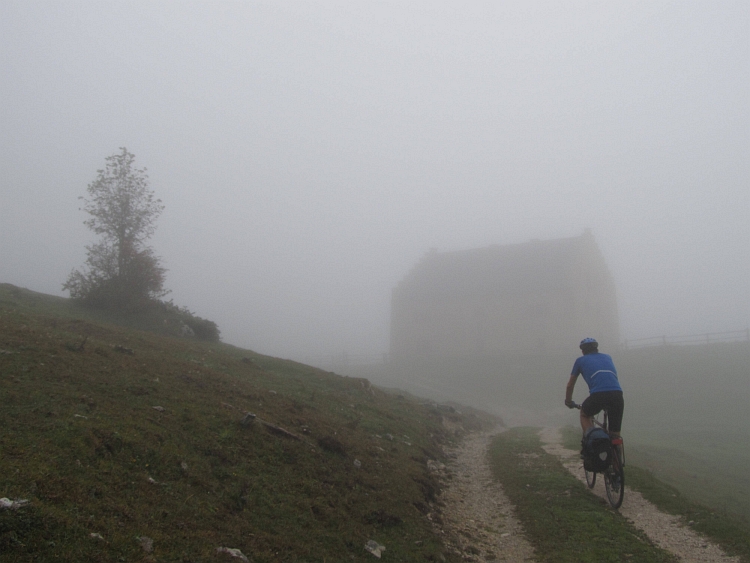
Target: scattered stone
272 392
389 436
375 548
123 350
153 481
79 416
96 536
434 466
357 463
7 504
184 466
279 431
160 409
146 543
77 347
249 418
236 553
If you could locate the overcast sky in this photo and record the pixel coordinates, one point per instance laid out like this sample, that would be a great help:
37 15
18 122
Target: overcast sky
309 153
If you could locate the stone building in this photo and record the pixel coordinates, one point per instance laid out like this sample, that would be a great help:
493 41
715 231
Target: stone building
535 297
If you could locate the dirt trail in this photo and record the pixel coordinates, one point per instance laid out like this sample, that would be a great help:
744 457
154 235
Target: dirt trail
478 519
664 530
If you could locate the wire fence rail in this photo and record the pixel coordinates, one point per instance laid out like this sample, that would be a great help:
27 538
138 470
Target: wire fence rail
689 339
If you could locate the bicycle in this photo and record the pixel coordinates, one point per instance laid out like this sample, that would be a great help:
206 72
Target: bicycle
614 474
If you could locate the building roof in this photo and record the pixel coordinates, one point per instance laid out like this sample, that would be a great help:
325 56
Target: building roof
530 266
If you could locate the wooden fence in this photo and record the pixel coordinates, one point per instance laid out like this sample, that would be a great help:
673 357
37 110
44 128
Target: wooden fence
689 339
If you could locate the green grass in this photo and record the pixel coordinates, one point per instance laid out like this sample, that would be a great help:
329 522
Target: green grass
714 475
728 530
81 439
687 421
562 519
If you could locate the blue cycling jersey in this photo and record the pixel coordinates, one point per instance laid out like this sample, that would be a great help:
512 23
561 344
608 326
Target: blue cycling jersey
598 370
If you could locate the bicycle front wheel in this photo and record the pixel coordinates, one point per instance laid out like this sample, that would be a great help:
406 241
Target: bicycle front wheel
614 480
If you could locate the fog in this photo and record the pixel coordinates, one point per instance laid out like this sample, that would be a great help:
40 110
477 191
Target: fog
309 153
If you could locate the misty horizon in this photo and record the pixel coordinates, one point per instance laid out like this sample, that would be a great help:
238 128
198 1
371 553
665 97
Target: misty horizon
309 154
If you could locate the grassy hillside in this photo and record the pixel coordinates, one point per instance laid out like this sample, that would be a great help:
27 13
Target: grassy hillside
690 423
114 434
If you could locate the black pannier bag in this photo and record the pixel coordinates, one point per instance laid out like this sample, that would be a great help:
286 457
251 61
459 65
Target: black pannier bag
597 450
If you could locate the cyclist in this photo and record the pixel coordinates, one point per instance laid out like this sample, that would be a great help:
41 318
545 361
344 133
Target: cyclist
598 370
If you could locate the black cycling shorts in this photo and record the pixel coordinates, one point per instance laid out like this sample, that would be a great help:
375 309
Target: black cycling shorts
612 401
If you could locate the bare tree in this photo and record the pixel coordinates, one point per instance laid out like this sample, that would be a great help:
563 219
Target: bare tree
121 272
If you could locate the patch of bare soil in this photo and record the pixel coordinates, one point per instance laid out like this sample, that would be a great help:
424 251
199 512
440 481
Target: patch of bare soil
664 530
478 521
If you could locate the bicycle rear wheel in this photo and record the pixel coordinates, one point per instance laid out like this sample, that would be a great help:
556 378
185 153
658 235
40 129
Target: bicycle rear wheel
614 480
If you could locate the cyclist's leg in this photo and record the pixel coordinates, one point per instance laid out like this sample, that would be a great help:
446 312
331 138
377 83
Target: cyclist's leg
589 409
587 422
616 407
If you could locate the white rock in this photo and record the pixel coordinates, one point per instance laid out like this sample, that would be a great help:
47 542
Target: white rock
7 504
375 548
233 553
146 543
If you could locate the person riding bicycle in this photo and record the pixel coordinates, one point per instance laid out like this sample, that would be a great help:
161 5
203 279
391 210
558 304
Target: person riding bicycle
598 370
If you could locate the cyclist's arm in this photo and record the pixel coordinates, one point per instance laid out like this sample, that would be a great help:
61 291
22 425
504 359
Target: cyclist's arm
569 389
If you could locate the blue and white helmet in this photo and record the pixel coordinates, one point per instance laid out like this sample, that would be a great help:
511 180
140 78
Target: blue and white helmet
587 342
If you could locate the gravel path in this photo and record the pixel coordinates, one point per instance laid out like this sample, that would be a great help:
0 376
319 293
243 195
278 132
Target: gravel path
664 530
477 518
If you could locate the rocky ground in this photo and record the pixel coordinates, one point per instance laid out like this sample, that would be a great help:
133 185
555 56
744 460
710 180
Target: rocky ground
478 520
